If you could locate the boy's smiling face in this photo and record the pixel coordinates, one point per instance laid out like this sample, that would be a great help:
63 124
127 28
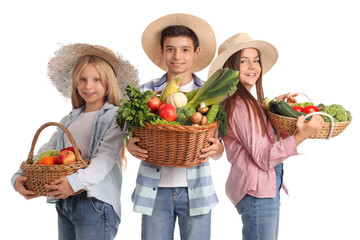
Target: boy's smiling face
179 55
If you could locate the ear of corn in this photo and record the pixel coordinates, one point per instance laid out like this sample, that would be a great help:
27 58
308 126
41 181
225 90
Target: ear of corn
170 88
221 85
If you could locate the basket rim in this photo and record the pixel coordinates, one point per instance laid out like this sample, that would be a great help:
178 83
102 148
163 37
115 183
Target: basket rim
295 119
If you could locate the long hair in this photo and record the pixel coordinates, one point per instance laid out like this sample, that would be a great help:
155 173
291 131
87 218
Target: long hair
233 62
110 83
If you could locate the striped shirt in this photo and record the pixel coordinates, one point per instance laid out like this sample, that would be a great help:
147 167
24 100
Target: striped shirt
201 191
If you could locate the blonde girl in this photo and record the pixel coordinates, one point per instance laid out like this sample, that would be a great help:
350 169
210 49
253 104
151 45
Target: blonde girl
95 213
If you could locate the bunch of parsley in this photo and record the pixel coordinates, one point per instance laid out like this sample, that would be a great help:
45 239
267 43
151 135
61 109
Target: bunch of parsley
134 111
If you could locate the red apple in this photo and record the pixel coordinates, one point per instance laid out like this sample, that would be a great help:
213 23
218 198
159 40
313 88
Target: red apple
167 112
154 104
66 156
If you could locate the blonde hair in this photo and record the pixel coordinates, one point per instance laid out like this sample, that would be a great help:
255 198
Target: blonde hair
108 78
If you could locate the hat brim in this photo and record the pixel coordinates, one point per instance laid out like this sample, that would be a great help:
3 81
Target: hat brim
268 55
151 39
61 65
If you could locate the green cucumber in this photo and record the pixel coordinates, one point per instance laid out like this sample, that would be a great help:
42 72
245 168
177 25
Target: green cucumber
272 107
286 110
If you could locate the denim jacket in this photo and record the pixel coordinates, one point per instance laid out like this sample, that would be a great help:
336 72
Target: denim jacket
102 179
201 191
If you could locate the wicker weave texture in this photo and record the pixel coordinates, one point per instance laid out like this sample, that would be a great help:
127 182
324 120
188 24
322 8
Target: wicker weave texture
39 175
174 145
288 125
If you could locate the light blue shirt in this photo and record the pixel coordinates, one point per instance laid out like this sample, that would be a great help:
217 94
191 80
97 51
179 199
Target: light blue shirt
102 179
201 191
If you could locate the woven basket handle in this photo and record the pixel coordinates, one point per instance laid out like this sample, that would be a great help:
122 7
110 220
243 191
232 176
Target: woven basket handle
68 134
300 93
325 114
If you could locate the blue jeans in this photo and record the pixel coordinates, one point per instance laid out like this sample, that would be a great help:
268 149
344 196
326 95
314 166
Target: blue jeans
80 217
171 203
260 216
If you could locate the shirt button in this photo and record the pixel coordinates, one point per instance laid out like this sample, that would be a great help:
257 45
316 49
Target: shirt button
154 189
273 173
158 170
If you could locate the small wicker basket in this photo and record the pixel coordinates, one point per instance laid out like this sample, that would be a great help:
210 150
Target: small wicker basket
288 125
39 175
174 145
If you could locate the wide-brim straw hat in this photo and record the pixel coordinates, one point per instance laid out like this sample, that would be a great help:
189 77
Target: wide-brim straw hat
61 65
207 42
268 52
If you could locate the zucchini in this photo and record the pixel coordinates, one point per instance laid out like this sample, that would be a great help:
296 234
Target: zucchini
272 107
286 110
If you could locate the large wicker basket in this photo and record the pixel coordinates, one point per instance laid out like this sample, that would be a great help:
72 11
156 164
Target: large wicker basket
288 125
174 145
39 175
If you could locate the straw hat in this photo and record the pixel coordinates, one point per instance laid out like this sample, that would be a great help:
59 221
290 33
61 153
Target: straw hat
61 65
151 39
268 52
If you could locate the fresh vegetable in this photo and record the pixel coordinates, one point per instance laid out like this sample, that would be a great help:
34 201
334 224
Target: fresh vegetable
297 108
47 153
190 95
177 99
196 117
309 109
202 109
304 104
167 112
183 115
154 104
338 112
217 88
265 103
222 122
170 88
135 111
272 107
286 110
212 113
163 121
203 120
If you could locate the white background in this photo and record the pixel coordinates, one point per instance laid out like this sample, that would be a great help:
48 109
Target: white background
318 43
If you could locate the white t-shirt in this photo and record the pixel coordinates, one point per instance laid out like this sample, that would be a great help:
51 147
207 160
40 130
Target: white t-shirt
80 130
175 176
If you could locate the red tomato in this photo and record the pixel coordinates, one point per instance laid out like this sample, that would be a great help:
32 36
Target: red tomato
154 104
167 112
310 109
297 108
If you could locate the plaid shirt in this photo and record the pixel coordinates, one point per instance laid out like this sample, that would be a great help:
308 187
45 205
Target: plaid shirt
201 191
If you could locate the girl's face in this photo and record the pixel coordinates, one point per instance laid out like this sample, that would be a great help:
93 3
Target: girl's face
91 88
250 68
179 55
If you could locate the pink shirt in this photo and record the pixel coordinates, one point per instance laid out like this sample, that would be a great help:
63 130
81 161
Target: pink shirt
252 156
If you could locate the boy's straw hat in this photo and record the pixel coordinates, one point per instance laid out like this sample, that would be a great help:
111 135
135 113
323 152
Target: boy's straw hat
61 65
207 41
268 53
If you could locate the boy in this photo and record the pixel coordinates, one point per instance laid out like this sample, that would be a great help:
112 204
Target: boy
164 193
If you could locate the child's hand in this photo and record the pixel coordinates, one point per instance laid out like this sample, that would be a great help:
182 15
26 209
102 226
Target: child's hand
20 187
59 188
289 98
215 150
305 130
135 150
